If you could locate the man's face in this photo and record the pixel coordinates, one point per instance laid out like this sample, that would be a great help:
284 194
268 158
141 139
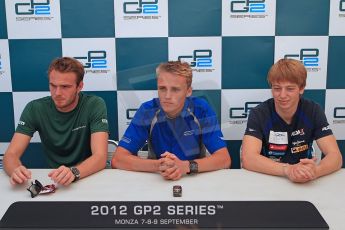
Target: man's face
286 95
172 93
64 90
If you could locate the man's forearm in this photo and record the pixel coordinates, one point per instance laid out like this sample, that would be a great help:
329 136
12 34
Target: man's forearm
262 164
10 163
91 165
218 160
134 163
329 164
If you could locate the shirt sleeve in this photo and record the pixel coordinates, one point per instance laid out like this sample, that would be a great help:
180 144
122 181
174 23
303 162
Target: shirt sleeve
98 118
26 124
137 132
253 125
212 135
321 126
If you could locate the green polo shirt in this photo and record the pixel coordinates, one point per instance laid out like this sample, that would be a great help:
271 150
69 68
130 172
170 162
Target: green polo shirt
66 137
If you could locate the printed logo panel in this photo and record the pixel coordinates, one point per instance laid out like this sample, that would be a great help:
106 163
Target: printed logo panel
311 51
335 111
248 17
236 106
33 19
128 103
203 55
98 58
5 71
337 18
141 18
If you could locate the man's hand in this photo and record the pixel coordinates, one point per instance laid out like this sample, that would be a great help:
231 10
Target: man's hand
62 175
20 175
302 172
171 167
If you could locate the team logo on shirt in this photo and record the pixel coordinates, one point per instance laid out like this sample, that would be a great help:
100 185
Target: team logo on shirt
80 127
277 147
299 149
188 133
279 138
298 132
294 143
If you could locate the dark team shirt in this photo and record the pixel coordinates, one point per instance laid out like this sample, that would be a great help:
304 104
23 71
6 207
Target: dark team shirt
65 137
180 136
284 142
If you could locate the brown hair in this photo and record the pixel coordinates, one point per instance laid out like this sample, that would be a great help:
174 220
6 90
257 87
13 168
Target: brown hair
288 70
67 65
177 67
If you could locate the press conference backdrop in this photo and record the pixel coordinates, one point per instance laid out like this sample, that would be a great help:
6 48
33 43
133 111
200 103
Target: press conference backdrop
230 45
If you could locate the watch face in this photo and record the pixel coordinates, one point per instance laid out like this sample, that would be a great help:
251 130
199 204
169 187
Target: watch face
193 167
75 172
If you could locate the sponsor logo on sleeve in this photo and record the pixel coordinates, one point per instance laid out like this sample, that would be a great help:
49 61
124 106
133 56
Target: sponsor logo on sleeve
126 140
21 123
326 128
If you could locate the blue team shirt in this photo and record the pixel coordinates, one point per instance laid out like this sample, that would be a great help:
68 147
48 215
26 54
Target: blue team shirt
180 136
284 142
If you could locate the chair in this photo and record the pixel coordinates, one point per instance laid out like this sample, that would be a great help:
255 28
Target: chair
112 145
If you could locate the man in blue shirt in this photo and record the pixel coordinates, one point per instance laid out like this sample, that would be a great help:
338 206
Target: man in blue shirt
178 129
280 131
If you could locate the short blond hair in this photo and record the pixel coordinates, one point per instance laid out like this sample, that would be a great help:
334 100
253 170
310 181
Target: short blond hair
288 70
177 67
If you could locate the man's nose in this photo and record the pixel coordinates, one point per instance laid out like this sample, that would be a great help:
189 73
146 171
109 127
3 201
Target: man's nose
168 94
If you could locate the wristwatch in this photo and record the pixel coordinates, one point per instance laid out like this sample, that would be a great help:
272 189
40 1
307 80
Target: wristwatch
76 173
193 167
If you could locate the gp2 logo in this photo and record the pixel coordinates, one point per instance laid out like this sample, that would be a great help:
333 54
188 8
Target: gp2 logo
33 8
140 7
245 6
95 59
309 57
200 58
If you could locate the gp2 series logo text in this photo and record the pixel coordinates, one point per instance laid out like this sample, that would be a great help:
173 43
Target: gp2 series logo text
130 113
242 112
339 112
309 57
200 58
248 6
342 5
33 7
95 59
140 7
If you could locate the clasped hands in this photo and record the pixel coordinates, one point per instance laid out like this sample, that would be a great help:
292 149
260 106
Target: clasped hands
171 167
304 171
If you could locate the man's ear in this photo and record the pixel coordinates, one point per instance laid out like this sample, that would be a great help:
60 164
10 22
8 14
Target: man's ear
80 86
301 91
189 91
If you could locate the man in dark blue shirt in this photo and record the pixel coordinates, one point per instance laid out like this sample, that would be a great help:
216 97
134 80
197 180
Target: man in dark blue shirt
280 131
177 127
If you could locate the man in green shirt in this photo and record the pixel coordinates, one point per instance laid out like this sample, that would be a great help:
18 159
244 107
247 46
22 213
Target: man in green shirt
73 128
